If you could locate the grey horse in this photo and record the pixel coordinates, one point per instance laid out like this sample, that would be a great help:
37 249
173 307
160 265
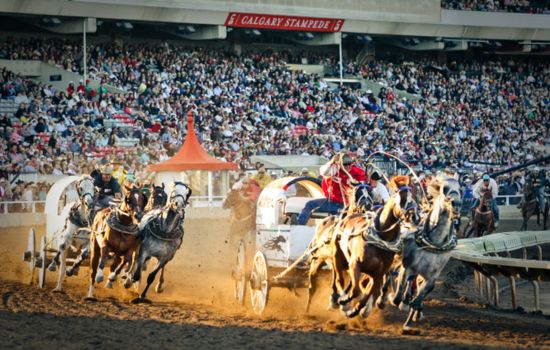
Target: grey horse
161 231
426 253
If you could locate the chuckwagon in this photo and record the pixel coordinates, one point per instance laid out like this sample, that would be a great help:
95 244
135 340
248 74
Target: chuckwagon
59 201
271 255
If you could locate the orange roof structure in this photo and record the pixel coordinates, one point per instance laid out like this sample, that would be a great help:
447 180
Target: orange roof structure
192 156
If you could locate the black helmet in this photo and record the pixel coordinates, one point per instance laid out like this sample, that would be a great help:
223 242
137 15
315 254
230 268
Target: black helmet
376 176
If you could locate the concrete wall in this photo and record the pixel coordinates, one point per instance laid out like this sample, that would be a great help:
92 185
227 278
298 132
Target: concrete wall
42 72
396 17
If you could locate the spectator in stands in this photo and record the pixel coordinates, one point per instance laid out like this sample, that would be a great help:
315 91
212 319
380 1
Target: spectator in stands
339 174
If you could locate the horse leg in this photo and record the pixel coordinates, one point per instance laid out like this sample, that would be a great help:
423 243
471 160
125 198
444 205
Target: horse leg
338 270
73 270
94 262
355 275
116 265
373 294
404 276
62 267
103 253
142 256
312 279
150 280
160 285
416 306
410 290
65 240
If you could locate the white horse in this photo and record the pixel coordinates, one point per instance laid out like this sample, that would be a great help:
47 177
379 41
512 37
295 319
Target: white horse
75 233
426 253
161 231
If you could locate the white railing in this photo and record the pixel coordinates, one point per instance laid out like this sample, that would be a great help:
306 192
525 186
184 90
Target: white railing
205 201
9 207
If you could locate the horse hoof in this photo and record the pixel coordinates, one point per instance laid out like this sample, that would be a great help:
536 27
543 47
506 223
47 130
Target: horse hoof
418 316
52 267
343 301
159 289
90 299
410 331
58 290
127 283
380 305
403 307
365 312
332 306
98 279
109 285
69 272
140 300
351 313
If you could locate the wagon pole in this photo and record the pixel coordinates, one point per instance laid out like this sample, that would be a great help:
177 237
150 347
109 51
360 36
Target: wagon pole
521 166
297 262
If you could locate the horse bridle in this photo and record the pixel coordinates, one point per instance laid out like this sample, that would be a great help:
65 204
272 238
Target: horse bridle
82 196
422 235
174 195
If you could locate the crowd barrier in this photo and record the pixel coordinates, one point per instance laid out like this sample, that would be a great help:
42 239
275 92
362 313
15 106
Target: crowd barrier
492 256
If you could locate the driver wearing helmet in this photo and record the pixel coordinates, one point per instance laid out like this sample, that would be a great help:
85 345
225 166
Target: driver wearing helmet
108 187
486 183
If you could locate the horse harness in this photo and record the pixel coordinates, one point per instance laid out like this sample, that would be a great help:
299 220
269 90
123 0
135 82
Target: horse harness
154 228
75 218
113 221
423 241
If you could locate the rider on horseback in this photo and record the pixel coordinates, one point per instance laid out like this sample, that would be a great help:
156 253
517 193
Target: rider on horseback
539 183
108 187
338 175
486 183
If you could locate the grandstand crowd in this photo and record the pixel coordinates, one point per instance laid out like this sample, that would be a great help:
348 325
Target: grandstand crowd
517 6
467 113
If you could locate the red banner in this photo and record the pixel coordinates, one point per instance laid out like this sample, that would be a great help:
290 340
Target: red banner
306 24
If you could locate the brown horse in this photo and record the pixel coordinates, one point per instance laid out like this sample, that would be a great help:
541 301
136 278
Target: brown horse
243 214
530 206
115 231
323 239
484 218
157 198
369 245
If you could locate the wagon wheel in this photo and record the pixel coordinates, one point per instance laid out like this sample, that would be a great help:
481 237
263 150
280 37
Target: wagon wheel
239 274
259 283
42 263
30 254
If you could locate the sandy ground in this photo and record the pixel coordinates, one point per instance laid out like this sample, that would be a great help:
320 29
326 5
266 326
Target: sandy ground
197 310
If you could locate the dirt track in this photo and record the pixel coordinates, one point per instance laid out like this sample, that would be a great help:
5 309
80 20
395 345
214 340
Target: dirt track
197 310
